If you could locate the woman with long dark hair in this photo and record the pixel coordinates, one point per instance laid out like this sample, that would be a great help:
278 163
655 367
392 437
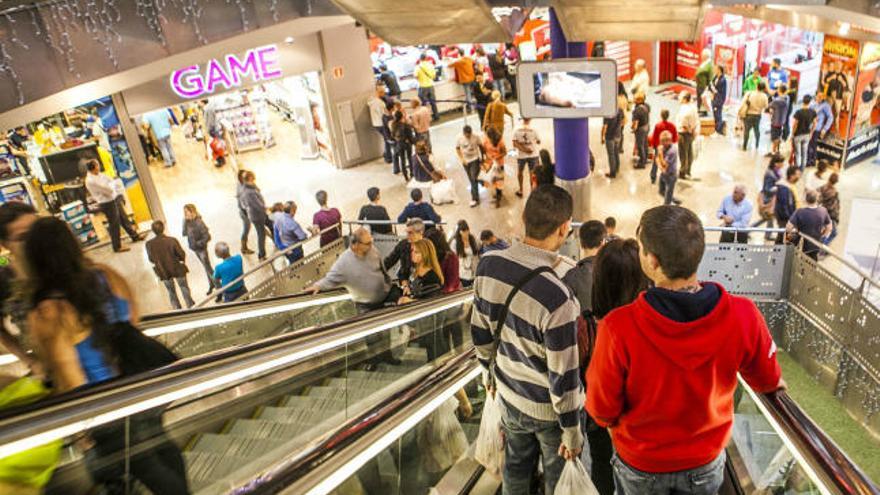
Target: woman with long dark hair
617 281
78 310
467 250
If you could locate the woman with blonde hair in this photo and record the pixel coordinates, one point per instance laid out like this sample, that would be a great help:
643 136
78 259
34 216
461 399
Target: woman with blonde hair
198 236
427 275
495 112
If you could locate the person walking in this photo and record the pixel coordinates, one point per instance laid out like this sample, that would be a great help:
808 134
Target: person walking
667 160
404 136
374 211
495 112
420 119
471 155
495 151
242 212
418 208
591 235
811 220
735 212
228 270
124 222
539 416
688 124
719 96
804 123
787 201
778 116
160 122
753 106
102 190
829 198
325 218
499 73
169 263
198 236
611 137
389 79
255 206
377 103
526 142
767 196
660 127
465 245
641 125
824 122
669 404
425 74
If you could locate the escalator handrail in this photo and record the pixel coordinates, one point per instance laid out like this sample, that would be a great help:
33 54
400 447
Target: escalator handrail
323 453
72 412
822 452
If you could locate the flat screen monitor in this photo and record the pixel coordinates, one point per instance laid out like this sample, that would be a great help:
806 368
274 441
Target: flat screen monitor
568 88
68 165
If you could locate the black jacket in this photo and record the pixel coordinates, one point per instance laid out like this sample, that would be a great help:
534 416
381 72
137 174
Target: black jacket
196 233
400 253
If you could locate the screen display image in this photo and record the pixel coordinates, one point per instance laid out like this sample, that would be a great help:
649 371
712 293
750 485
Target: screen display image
568 89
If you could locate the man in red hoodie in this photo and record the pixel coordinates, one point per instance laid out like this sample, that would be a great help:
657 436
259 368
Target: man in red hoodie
663 372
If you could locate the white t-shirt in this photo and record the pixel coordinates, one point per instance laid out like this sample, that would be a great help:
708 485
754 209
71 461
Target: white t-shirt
377 110
526 136
470 147
640 83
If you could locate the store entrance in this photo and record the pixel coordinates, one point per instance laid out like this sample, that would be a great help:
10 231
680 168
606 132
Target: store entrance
277 129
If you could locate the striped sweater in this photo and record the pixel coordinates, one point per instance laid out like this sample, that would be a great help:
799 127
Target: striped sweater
536 368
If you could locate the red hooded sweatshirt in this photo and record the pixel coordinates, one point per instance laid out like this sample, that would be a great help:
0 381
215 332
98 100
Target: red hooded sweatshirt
665 387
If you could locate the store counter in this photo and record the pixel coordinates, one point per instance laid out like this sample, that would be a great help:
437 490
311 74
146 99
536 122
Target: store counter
443 90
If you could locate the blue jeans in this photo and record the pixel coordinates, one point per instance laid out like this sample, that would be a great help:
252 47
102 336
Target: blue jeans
525 439
611 146
801 149
667 187
386 140
468 95
703 480
718 116
498 85
229 296
166 150
428 97
832 235
642 146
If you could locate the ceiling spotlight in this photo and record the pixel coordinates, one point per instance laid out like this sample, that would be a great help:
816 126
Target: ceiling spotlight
844 28
289 40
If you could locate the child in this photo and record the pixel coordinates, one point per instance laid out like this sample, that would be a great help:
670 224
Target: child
218 149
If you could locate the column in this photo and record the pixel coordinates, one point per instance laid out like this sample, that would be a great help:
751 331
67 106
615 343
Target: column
571 136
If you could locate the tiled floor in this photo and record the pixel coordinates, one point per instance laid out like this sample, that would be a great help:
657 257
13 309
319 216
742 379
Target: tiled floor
282 176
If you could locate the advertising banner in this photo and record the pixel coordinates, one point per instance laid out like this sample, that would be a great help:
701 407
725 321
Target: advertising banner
725 56
864 131
840 60
687 60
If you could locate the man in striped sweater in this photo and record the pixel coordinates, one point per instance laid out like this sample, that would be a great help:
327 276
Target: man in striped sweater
536 364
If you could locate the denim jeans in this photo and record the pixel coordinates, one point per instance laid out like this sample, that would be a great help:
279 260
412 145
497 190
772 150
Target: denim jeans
832 235
667 187
229 296
685 153
387 143
499 86
473 171
245 226
166 150
205 259
526 439
402 158
751 123
184 291
611 146
801 149
718 115
703 480
468 95
812 148
428 97
642 146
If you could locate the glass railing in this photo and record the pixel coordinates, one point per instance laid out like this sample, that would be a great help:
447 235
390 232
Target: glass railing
218 422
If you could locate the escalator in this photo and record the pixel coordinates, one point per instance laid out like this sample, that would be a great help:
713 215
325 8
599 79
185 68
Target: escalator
385 403
199 331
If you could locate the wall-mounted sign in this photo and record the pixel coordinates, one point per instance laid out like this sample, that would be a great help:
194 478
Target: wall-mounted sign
226 73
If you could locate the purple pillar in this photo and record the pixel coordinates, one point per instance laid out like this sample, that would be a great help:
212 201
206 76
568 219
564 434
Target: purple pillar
570 135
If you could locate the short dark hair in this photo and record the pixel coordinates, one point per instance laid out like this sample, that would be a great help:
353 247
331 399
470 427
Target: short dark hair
467 129
833 178
782 87
664 114
373 193
547 208
617 276
486 235
92 165
158 227
776 158
591 234
10 212
792 171
761 86
321 197
416 195
610 223
807 99
674 235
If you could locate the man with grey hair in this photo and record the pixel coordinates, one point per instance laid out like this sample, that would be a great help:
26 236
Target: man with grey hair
227 271
735 212
360 271
811 220
415 230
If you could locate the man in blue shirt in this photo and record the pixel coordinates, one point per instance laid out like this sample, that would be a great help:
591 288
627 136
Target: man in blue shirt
160 122
228 270
418 209
287 232
776 75
735 212
667 160
778 116
824 122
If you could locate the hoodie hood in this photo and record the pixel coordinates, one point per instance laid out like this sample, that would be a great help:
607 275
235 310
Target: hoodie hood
686 328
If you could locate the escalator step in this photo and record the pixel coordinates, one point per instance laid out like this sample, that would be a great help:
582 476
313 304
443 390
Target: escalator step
200 466
359 374
259 428
296 415
232 445
377 382
307 402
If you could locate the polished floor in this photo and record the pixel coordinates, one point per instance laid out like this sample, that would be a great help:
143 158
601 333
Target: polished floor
282 176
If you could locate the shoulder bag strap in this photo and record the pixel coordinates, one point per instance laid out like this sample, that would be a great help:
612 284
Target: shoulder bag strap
431 174
502 316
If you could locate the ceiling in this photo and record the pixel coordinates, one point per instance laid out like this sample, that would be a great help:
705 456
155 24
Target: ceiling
636 20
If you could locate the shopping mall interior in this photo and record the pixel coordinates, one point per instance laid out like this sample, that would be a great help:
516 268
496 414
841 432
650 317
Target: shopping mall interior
273 375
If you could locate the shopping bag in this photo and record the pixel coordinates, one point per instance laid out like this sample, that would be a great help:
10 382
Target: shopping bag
485 176
443 192
441 439
575 480
489 448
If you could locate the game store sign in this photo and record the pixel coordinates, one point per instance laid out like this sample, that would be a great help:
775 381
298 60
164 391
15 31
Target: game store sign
227 72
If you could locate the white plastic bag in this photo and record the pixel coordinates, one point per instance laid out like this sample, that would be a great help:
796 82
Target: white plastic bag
443 192
485 176
575 480
489 448
441 439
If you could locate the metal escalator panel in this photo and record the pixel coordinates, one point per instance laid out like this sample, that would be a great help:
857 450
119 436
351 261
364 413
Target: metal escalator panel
215 423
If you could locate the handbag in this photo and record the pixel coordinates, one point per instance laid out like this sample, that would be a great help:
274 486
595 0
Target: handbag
743 109
766 207
435 175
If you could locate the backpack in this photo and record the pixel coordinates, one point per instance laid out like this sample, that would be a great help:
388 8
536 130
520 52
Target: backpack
138 353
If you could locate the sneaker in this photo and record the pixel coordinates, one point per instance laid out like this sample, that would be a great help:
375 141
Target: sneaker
246 250
519 193
122 249
474 203
609 176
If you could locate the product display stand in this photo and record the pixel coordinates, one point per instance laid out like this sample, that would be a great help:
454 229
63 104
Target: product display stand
76 215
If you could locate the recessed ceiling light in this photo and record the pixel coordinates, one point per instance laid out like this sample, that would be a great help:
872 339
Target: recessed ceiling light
289 40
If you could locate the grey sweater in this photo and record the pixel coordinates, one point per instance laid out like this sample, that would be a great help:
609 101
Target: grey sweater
363 277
